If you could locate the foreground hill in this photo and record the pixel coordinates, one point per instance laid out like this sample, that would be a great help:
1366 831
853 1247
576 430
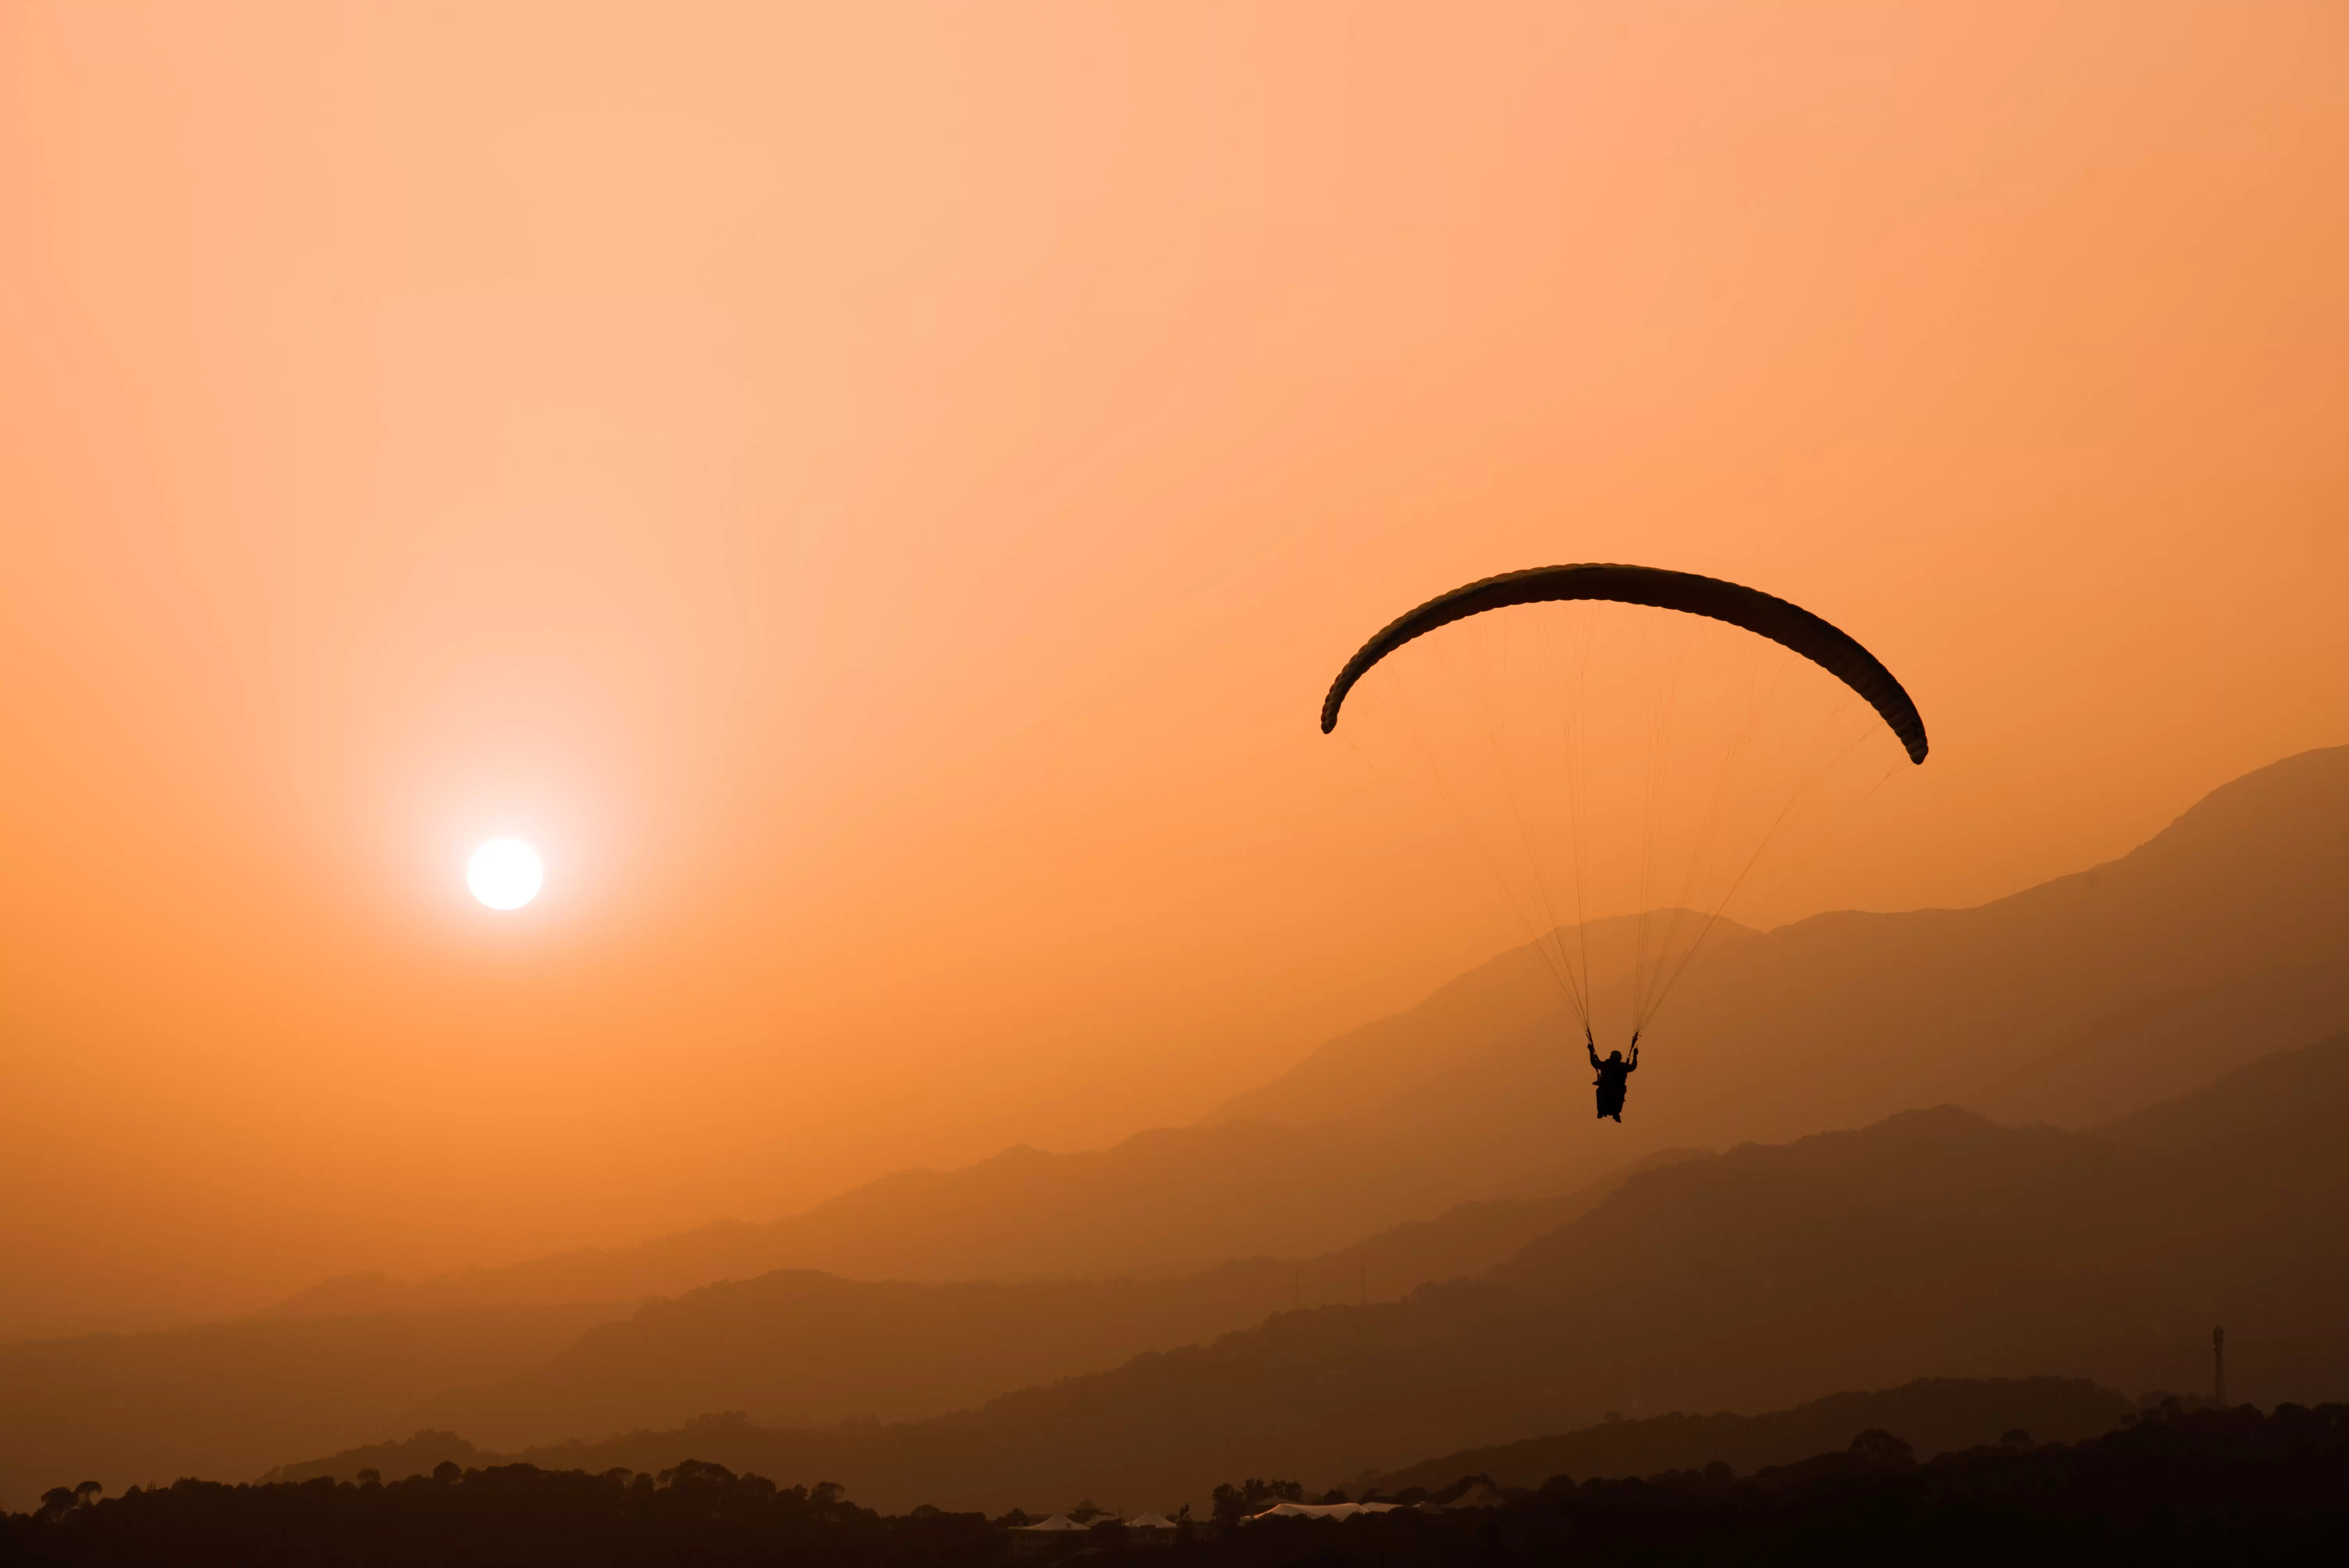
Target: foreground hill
1932 1416
2078 1001
1930 1244
2234 1486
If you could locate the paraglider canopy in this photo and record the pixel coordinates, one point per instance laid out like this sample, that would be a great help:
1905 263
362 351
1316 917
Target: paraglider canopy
1790 626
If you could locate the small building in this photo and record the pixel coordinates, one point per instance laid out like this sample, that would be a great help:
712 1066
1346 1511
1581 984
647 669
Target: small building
1027 1540
1150 1529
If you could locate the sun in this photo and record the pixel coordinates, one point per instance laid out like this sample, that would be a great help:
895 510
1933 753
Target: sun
504 873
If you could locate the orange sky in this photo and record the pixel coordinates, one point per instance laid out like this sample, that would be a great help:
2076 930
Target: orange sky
876 494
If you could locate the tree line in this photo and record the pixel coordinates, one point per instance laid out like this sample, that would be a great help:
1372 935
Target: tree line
2171 1486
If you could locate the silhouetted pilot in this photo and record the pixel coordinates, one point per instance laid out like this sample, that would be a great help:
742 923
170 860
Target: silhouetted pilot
1612 1072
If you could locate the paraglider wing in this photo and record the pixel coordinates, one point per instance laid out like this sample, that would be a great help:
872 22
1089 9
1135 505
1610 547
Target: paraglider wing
1790 626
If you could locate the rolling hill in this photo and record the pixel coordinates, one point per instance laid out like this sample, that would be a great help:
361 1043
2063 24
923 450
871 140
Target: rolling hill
1934 1243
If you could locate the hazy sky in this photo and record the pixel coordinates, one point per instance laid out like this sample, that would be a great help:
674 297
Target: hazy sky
875 494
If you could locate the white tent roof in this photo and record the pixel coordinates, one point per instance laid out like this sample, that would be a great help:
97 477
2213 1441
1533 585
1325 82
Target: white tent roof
1150 1521
1322 1510
1059 1522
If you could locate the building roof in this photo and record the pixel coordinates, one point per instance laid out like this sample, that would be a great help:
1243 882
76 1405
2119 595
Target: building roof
1058 1523
1322 1510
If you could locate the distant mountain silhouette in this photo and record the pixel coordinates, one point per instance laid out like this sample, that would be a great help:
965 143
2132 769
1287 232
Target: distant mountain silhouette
2082 999
791 1346
1932 1415
1934 1243
2263 1108
797 1347
1163 1203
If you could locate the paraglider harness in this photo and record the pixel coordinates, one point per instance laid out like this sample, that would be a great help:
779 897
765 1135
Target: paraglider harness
1613 1076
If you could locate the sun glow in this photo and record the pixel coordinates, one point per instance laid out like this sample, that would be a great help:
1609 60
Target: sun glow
504 873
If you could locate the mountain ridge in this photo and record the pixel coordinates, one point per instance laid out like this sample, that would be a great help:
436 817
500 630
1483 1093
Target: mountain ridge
1161 1202
2075 1001
1934 1243
893 1351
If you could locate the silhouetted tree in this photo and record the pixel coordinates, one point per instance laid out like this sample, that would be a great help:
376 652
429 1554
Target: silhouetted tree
1878 1446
